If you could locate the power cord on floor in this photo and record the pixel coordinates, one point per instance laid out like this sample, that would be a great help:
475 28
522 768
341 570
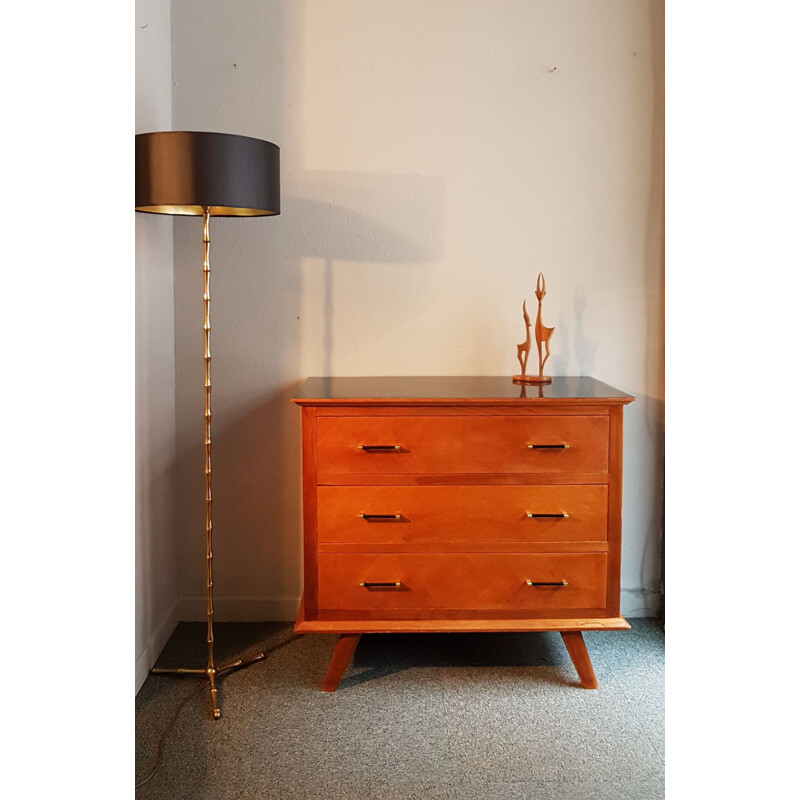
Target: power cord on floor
162 741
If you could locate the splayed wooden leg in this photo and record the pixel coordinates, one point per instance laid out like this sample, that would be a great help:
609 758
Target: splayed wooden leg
345 648
576 648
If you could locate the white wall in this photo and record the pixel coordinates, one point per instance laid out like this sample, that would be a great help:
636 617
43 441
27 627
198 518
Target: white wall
156 541
435 157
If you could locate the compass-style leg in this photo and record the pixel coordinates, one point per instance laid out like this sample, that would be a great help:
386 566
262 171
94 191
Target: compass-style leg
345 648
576 648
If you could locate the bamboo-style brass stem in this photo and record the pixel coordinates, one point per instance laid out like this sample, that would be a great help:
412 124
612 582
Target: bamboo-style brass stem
211 671
207 416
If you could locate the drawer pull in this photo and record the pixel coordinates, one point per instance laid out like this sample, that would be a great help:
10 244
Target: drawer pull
380 584
380 517
379 448
546 583
548 446
560 515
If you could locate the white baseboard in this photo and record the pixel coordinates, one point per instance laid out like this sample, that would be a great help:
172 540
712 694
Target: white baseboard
639 603
239 609
154 647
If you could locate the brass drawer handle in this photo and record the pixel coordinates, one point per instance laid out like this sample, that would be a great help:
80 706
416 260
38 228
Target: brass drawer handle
379 448
380 517
560 515
380 584
548 446
546 583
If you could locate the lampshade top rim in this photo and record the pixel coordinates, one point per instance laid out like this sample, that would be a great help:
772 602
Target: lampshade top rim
205 133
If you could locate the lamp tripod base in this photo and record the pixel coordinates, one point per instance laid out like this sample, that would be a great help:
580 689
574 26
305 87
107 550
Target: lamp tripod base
211 673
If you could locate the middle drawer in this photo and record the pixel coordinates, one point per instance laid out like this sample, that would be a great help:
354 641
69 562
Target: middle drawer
420 514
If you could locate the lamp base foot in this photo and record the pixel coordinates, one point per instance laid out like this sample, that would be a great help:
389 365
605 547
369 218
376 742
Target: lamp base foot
211 673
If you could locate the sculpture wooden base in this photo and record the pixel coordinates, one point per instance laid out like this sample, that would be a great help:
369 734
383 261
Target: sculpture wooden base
532 379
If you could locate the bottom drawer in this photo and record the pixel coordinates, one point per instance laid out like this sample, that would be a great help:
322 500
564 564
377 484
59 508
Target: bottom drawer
456 581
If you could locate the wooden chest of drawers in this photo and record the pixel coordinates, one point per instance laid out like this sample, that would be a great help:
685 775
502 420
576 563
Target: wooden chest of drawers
460 504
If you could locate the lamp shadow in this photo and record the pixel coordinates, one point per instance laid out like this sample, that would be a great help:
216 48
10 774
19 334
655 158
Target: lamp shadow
335 231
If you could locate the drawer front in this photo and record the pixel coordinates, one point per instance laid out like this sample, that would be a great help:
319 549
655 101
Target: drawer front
436 514
462 444
462 581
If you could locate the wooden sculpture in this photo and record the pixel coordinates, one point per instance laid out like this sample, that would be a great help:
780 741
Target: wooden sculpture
542 334
524 348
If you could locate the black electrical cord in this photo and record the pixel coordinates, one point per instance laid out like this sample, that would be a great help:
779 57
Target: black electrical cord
162 741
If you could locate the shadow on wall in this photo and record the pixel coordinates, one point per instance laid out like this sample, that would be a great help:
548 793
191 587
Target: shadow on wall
654 542
256 505
156 548
335 218
259 468
336 224
654 258
585 349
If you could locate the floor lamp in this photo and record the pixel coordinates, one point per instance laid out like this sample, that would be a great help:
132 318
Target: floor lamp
207 175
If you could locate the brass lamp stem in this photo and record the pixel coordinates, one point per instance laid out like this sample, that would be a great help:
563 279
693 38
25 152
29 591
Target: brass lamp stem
207 416
211 671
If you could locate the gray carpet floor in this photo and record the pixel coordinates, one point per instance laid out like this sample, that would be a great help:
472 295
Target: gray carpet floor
455 716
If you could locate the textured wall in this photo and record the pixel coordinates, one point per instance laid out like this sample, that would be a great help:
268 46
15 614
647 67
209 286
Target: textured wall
435 156
157 580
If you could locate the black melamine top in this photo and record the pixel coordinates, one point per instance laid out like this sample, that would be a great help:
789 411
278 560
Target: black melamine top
441 389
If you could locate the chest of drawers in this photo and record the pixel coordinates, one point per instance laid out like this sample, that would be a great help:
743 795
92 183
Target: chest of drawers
460 504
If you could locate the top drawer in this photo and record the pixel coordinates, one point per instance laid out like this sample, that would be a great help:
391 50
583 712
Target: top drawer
462 444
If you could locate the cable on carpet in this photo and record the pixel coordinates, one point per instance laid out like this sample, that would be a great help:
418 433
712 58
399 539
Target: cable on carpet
162 741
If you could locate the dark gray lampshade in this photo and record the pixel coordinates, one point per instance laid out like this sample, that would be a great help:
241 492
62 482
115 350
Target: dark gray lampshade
184 172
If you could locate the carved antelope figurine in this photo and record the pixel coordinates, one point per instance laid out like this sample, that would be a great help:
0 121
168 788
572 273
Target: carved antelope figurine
524 348
542 332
